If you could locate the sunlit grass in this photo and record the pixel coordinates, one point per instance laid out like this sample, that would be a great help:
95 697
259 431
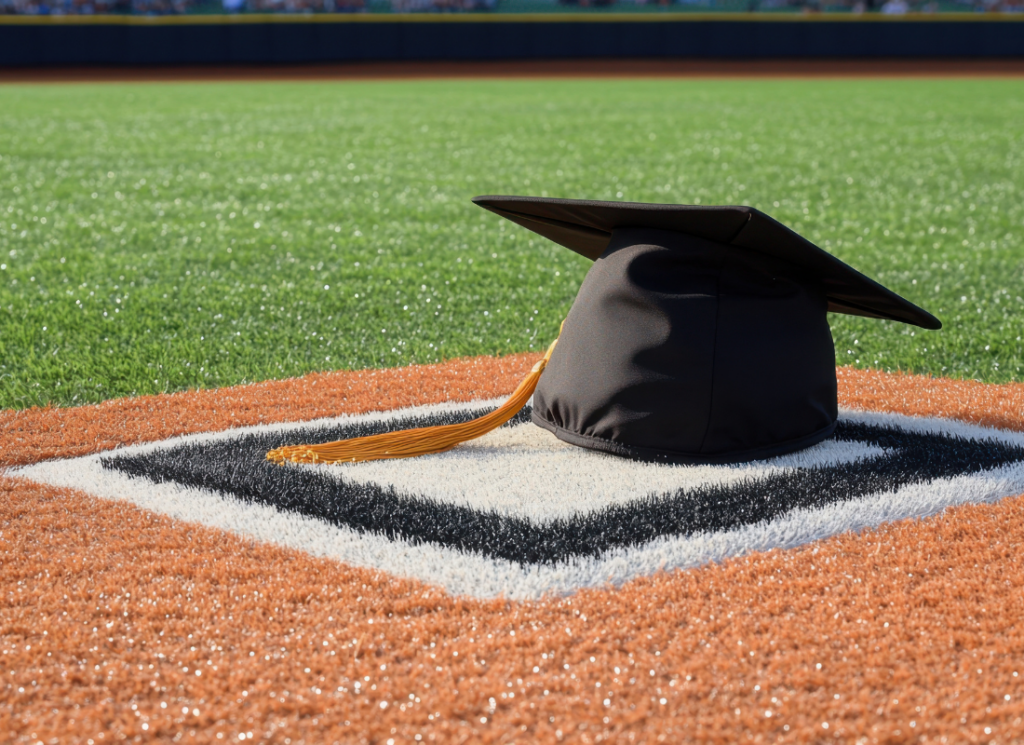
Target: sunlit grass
163 237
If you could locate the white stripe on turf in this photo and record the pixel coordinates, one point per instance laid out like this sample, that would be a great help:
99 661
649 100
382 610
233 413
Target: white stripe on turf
527 472
473 574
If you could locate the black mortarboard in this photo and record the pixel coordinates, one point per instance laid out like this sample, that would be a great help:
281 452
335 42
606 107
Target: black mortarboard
700 333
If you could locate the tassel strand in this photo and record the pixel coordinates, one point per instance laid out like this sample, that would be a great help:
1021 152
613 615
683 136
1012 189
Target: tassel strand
412 442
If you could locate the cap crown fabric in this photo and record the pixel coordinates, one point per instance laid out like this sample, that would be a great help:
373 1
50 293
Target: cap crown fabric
688 350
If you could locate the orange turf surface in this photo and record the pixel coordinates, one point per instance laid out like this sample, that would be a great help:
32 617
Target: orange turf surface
40 433
118 623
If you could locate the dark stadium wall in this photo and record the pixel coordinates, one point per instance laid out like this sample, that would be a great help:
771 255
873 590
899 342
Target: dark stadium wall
140 40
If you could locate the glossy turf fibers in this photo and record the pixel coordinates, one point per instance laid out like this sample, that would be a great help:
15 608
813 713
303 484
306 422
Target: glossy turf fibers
164 237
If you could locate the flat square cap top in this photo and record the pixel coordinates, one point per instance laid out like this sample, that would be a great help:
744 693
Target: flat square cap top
586 226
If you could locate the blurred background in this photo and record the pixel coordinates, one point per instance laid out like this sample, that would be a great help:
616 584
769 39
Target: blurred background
179 7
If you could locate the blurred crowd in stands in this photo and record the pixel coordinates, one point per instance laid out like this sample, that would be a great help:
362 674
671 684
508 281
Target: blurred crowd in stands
177 7
171 7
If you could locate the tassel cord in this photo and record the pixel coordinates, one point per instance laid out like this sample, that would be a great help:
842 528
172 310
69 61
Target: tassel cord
412 442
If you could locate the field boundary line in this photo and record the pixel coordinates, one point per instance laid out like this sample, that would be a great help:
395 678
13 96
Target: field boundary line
607 68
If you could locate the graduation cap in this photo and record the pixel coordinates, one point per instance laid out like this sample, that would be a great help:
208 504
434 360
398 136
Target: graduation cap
586 227
699 335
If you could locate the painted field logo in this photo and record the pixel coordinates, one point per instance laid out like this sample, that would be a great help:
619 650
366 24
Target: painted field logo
519 513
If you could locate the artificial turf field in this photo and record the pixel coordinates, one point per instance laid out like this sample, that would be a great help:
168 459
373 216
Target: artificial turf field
161 238
166 237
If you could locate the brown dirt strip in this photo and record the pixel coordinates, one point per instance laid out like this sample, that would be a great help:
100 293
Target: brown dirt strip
989 405
38 434
117 623
904 634
535 69
42 433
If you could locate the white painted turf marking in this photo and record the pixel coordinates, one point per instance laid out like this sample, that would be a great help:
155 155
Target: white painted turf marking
526 471
462 476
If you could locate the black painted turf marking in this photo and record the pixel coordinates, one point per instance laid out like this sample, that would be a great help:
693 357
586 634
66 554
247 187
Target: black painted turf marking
238 467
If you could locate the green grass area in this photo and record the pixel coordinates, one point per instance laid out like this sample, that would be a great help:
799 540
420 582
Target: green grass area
163 237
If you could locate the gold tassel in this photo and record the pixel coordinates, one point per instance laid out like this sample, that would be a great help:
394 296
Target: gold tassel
409 443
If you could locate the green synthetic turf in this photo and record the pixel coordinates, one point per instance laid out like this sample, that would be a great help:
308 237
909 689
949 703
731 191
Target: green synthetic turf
162 237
